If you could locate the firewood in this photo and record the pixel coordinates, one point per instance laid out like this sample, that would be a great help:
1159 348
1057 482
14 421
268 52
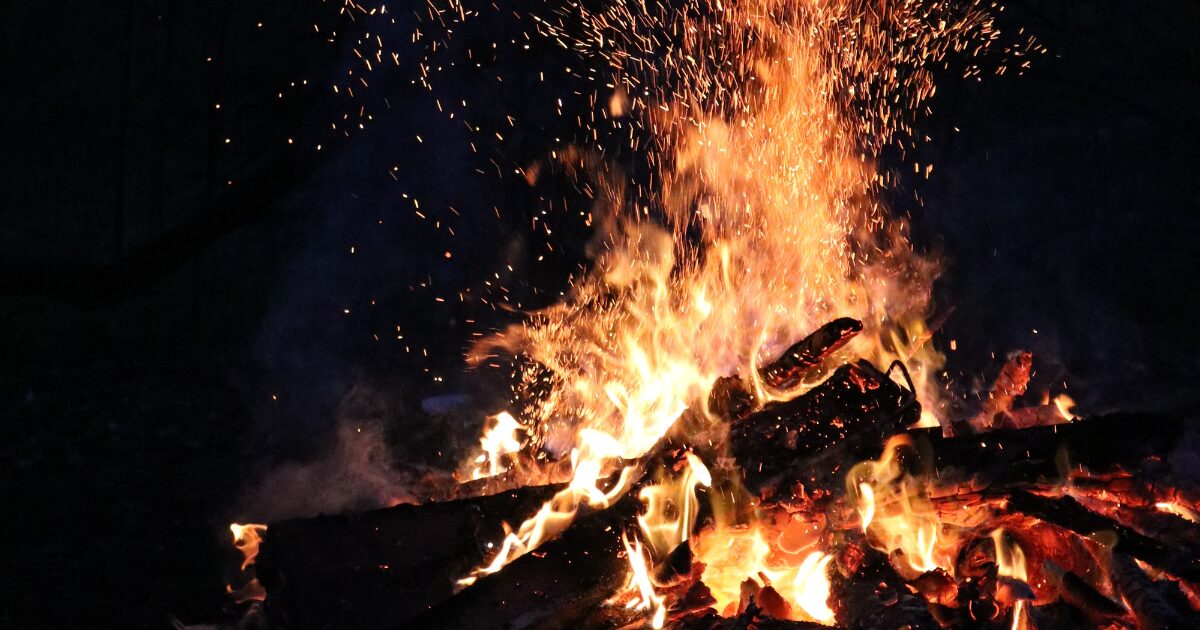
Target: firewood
1027 417
1079 593
1068 514
1146 599
850 415
558 585
368 569
1012 382
866 593
1010 458
795 362
732 398
753 617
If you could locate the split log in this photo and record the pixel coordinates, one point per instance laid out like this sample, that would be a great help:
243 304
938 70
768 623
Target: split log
732 399
1153 608
795 363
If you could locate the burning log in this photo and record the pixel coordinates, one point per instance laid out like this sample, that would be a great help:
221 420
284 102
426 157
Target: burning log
852 412
366 570
1012 382
1151 606
798 360
556 586
866 593
1079 593
730 398
1025 458
752 617
1068 514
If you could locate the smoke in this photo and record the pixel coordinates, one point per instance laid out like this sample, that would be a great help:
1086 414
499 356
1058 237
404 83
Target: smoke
358 470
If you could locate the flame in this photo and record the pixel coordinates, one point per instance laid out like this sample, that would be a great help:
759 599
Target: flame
671 507
732 555
1010 562
639 579
497 442
765 220
1178 509
246 539
1066 406
896 512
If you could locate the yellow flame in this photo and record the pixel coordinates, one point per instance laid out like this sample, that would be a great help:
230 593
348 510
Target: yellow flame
1066 406
498 442
1178 509
895 509
1010 562
765 220
639 579
733 555
246 538
671 507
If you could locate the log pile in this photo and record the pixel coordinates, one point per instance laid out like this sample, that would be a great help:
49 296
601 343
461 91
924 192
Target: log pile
1095 507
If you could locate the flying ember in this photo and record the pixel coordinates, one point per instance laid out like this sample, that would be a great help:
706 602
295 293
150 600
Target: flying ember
736 415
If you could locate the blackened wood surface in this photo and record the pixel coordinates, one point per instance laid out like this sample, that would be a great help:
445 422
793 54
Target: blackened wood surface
373 569
554 587
1067 513
856 410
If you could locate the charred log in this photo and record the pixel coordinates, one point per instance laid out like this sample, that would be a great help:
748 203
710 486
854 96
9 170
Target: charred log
866 593
731 398
795 362
1068 514
1151 606
556 586
366 570
855 410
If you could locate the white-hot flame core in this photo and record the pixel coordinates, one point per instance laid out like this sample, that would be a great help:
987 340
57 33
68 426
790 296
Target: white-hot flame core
639 579
498 441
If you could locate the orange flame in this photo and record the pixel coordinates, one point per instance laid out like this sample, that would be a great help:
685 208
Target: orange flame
246 539
1010 562
764 125
895 509
733 555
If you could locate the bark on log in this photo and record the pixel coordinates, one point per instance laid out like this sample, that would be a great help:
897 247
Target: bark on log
369 569
554 587
795 362
1009 458
866 593
1068 514
1152 609
850 415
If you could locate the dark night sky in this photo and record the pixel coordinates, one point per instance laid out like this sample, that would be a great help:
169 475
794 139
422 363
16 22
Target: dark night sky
173 307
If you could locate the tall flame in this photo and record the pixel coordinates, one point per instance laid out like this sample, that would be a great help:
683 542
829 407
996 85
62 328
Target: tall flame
764 220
